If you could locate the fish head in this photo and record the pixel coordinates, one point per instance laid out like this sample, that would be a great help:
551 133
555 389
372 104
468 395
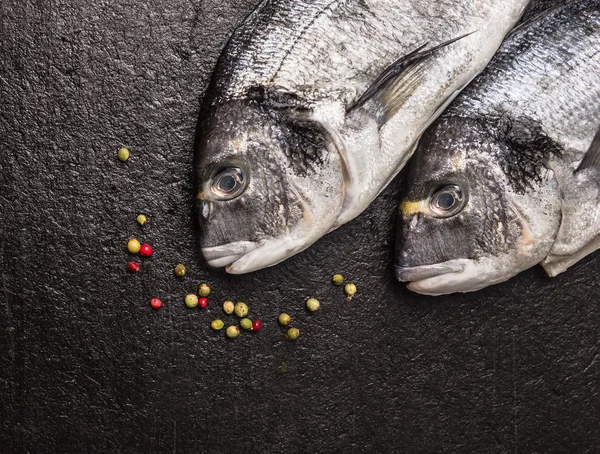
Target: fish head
464 223
269 184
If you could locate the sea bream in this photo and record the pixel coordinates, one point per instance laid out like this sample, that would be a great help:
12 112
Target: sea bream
314 106
509 176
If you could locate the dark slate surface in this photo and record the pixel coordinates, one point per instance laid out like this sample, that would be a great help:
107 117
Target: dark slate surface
88 366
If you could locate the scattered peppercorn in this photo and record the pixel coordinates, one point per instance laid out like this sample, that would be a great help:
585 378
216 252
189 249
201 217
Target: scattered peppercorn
191 300
232 332
180 270
292 334
133 246
337 279
350 290
141 219
284 319
256 326
228 307
246 324
155 303
134 267
123 154
312 304
217 325
202 302
204 290
146 250
241 309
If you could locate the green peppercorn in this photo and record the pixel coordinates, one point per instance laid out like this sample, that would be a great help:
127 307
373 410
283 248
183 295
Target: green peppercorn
204 290
292 334
191 300
141 219
180 270
228 307
246 324
241 310
217 325
312 304
337 279
284 319
350 290
133 246
232 332
123 154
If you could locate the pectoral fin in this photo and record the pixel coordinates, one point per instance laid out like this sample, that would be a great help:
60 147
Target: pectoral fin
592 156
398 81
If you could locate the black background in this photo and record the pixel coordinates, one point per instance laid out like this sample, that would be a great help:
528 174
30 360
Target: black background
88 366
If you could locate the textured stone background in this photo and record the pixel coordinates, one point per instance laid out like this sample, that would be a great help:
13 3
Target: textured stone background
88 366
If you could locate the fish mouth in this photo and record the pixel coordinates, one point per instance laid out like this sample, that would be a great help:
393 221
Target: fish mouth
226 254
421 272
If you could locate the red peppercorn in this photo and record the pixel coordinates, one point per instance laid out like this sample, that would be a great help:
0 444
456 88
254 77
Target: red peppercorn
202 302
134 267
256 325
155 303
146 250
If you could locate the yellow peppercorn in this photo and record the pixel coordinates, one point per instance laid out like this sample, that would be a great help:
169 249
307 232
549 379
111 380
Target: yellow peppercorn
180 270
191 300
312 304
133 246
232 332
284 319
241 309
350 290
337 279
246 324
228 307
204 290
141 219
217 325
123 154
292 334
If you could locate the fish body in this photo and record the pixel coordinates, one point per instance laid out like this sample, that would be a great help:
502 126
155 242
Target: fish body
289 145
508 176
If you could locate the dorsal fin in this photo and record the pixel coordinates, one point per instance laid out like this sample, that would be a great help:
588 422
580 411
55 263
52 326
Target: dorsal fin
592 156
398 80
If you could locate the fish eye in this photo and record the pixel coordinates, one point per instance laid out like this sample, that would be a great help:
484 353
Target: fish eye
447 201
229 183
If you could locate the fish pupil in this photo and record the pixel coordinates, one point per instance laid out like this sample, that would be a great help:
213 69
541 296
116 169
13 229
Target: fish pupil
446 200
227 183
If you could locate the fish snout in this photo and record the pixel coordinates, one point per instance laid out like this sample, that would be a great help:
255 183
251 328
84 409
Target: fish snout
420 272
226 254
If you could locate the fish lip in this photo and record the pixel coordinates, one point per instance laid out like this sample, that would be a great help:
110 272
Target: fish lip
421 272
226 254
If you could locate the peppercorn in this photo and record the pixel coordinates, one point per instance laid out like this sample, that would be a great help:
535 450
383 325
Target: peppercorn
241 309
123 154
246 324
232 332
146 250
133 246
202 302
155 303
350 290
141 219
228 307
217 325
312 304
204 290
284 319
256 325
134 267
337 279
191 300
179 270
292 334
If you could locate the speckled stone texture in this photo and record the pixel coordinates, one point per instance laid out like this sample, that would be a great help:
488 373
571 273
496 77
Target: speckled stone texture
88 366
